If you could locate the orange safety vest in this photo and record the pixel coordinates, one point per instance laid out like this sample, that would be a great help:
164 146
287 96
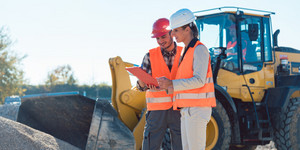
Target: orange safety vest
232 45
201 97
161 100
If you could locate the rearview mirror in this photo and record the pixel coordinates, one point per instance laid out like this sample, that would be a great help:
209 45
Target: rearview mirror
218 52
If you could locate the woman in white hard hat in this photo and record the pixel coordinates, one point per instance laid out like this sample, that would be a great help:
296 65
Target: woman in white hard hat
193 85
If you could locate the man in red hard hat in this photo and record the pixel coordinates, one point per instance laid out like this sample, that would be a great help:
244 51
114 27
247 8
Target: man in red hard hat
161 61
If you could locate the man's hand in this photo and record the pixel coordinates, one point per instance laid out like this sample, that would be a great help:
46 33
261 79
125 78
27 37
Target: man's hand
141 83
164 83
153 88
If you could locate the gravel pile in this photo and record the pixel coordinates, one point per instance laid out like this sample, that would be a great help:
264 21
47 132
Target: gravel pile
16 136
270 146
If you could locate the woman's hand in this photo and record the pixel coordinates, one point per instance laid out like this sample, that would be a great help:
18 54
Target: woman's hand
164 83
153 88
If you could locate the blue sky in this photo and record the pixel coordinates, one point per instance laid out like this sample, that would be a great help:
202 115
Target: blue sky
86 33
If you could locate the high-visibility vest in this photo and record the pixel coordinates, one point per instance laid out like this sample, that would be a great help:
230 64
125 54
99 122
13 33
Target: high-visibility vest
161 100
199 97
232 45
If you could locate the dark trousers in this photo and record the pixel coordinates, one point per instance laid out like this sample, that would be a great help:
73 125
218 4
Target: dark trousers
157 123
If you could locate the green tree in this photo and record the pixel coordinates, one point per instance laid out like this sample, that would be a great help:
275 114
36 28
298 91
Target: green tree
11 75
60 76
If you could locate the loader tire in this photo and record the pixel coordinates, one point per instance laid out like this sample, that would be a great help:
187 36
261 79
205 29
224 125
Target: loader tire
287 131
220 121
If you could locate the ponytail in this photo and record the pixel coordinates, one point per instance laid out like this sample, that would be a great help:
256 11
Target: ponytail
194 29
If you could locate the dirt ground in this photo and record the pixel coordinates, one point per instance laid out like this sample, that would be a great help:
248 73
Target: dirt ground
14 135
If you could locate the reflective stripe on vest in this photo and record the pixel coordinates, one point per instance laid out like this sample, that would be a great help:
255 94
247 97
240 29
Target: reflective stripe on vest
195 95
158 100
201 97
161 100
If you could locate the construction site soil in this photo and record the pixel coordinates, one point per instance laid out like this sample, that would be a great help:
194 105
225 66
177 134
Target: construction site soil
14 135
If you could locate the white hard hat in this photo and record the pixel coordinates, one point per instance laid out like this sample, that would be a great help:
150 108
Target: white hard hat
181 18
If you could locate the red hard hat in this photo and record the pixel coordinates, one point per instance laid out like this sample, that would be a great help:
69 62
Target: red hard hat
160 27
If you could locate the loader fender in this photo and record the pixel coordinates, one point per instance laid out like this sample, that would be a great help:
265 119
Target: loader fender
221 92
227 102
278 98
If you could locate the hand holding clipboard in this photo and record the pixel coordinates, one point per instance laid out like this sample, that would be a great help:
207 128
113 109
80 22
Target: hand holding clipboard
143 76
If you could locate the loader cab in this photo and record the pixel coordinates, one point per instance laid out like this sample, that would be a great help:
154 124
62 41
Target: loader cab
246 37
245 70
247 40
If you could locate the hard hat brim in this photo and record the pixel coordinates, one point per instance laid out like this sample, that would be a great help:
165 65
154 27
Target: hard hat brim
174 26
156 35
181 17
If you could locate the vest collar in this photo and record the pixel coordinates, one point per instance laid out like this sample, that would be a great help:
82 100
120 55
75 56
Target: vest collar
191 44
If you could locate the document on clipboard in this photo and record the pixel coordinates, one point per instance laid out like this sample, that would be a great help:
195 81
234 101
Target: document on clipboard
142 75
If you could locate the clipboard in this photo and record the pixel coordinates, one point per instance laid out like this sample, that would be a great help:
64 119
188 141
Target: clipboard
142 75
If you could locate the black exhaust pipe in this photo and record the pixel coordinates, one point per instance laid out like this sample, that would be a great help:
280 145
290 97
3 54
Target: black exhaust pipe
275 38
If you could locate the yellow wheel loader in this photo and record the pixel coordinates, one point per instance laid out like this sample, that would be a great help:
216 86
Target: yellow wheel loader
257 86
257 83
